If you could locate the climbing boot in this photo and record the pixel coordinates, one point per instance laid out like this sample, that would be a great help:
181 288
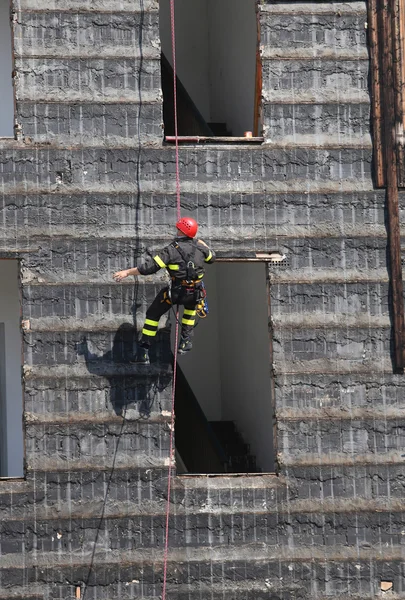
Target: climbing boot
142 356
185 346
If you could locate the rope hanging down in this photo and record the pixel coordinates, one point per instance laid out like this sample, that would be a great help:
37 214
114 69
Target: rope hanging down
171 447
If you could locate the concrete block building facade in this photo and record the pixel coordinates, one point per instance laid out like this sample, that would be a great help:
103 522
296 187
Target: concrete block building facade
87 185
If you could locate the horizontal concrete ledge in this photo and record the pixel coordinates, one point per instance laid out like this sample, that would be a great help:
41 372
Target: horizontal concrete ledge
85 140
301 186
109 95
342 506
317 96
320 320
211 554
268 586
104 53
89 324
314 53
91 102
285 277
213 591
96 464
83 10
318 8
98 418
324 366
14 485
28 280
237 590
116 510
343 413
392 596
320 141
230 481
77 384
31 591
107 6
104 369
307 276
337 459
125 232
8 252
346 384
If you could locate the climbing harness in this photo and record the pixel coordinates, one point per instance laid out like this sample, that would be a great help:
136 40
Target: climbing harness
171 448
167 297
191 272
202 306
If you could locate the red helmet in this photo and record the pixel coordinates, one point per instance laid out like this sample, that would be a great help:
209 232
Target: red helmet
188 226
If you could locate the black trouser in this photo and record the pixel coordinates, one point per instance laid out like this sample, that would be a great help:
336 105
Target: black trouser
180 295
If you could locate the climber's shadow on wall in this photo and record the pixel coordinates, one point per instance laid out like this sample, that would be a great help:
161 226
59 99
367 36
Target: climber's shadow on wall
132 386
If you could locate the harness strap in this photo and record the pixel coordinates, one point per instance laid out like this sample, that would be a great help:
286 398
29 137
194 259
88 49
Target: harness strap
185 283
189 261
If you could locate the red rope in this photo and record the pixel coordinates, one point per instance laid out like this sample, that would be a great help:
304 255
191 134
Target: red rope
171 448
172 19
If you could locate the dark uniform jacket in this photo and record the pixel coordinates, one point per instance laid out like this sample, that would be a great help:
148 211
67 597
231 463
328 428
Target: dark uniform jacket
170 258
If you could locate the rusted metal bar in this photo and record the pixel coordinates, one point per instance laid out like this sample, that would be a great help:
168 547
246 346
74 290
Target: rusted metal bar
401 56
399 60
259 79
388 81
375 57
398 63
218 139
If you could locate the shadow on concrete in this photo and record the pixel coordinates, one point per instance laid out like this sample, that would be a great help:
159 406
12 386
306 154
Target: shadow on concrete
132 386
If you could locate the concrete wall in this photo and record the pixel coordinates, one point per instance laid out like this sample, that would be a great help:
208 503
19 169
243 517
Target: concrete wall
6 67
10 358
84 191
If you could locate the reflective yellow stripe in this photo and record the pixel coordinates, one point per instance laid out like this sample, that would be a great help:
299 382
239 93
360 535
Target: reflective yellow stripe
173 267
159 261
208 257
187 311
148 332
150 322
187 322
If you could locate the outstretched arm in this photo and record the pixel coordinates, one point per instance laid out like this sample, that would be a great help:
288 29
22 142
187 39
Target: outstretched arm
120 275
151 265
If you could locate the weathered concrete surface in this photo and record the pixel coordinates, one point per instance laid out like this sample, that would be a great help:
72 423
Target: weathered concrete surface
85 189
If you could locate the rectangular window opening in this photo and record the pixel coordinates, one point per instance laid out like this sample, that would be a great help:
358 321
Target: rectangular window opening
11 393
6 69
219 71
224 389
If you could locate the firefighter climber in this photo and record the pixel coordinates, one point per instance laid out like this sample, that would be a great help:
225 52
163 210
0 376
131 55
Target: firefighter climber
184 259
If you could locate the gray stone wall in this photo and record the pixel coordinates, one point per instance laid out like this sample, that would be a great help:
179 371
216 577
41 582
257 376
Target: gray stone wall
87 187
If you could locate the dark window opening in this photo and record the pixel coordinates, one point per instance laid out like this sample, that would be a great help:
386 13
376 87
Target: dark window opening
11 432
6 68
218 69
224 390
